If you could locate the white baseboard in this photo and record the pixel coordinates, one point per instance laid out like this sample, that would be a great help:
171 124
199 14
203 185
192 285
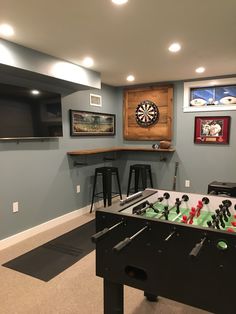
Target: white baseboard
16 238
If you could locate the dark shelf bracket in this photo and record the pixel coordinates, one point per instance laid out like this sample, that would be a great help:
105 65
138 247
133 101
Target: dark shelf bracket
80 163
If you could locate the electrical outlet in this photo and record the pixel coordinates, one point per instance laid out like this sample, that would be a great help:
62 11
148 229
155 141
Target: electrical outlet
15 207
187 183
78 189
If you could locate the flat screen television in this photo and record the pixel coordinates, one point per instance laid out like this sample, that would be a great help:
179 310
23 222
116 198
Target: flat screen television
29 114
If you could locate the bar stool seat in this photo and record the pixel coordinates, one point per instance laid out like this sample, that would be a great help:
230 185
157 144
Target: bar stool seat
142 171
107 194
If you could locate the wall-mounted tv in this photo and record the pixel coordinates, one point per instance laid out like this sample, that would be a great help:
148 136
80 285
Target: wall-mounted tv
28 114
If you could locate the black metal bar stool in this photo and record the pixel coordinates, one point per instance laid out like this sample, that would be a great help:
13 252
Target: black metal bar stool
107 173
140 171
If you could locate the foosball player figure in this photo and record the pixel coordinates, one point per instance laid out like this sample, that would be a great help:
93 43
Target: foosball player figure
227 204
209 223
177 204
220 216
223 210
192 215
199 207
189 219
166 212
215 221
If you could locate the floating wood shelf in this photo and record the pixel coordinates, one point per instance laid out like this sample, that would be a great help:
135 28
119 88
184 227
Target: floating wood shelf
117 149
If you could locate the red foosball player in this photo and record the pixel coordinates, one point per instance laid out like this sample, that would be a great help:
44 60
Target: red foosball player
199 207
184 219
189 219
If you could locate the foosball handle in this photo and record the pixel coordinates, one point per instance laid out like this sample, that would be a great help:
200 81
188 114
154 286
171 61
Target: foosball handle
118 247
99 235
195 251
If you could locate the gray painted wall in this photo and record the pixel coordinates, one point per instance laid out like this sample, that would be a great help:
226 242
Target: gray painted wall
40 175
201 164
31 62
42 178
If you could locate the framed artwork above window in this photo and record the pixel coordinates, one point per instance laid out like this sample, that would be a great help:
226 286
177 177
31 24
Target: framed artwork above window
210 95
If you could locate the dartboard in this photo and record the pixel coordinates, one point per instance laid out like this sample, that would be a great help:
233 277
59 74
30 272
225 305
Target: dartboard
147 113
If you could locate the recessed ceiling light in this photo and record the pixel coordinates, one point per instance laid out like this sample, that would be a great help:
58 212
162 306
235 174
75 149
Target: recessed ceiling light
175 47
6 30
35 92
130 78
119 2
88 62
200 70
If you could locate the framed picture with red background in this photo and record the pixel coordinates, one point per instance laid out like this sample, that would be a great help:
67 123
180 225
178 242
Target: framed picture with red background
212 130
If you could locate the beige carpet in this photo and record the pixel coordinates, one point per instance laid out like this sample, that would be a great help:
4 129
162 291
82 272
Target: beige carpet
75 291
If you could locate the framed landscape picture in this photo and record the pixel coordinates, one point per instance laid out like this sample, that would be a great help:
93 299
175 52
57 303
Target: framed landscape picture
91 123
212 130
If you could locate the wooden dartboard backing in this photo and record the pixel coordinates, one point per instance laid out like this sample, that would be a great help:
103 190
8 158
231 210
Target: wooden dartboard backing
154 126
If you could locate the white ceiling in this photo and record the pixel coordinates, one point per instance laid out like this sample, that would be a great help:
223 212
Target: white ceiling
131 39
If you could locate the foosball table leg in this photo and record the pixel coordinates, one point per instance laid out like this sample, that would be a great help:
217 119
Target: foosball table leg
151 297
113 297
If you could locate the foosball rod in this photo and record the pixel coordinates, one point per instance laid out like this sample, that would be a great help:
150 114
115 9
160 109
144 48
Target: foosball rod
165 196
178 202
122 244
166 211
97 236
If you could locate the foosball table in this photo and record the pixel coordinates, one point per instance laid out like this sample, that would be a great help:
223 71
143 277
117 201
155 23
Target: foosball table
179 246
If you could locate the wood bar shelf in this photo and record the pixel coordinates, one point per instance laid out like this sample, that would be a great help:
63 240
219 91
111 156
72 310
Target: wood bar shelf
118 149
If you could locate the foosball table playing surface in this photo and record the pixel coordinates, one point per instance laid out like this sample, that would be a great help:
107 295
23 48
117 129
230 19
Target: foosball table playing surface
171 244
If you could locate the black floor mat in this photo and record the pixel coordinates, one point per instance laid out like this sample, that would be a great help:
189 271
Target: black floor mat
50 259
